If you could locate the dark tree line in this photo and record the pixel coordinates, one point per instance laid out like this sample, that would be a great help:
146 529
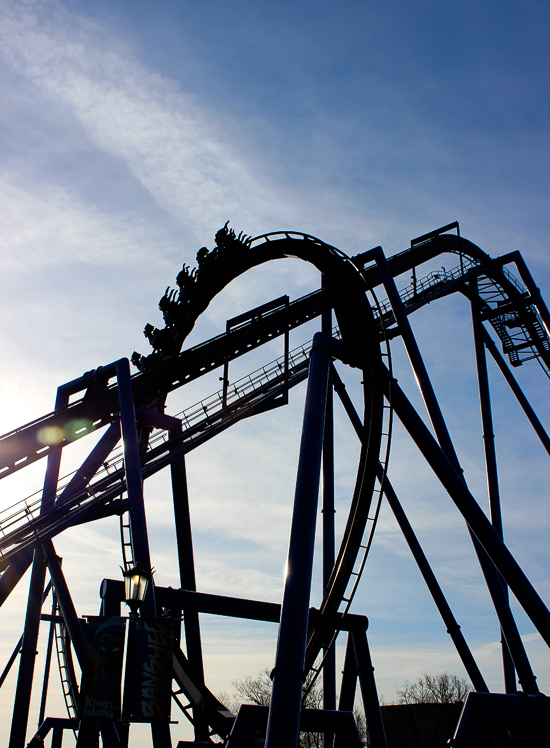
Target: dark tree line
425 715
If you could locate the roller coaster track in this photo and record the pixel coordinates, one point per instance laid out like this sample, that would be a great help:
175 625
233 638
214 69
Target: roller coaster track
514 313
506 304
23 527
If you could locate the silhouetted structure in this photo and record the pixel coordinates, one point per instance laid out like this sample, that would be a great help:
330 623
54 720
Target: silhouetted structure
132 408
420 725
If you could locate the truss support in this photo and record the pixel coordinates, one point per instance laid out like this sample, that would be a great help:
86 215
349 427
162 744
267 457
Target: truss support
453 628
491 468
134 482
48 662
493 581
288 673
516 389
470 510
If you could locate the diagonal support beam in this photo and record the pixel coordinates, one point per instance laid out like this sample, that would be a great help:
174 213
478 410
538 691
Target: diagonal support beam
493 581
453 628
470 510
516 389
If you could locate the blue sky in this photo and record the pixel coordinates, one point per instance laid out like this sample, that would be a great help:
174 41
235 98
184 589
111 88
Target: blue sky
131 131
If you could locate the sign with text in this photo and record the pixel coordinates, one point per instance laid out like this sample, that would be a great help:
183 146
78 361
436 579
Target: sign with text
102 669
152 670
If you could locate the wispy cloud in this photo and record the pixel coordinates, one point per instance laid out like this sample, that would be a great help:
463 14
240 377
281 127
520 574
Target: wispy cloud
164 137
47 224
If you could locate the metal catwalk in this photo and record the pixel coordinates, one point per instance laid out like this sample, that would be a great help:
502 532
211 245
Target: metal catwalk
139 439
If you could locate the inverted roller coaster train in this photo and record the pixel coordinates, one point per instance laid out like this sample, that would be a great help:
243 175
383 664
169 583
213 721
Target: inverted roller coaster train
136 439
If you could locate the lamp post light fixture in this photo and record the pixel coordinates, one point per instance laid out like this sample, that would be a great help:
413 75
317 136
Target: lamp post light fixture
136 581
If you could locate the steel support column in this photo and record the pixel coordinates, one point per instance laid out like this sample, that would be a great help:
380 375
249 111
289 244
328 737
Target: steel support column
329 554
490 549
17 647
371 703
453 628
491 468
13 574
134 485
288 673
417 362
72 621
184 539
28 653
348 686
34 605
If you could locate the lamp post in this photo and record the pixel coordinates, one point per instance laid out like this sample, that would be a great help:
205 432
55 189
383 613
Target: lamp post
136 581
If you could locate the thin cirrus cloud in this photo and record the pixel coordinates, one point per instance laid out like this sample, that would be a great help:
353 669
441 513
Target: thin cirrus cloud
164 138
50 225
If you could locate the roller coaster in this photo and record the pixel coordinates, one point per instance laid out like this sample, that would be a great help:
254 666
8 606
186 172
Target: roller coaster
139 439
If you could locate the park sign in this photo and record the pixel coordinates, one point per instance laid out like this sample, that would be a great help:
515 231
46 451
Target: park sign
153 649
152 670
102 669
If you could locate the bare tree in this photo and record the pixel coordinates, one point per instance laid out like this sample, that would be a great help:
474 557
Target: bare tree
258 691
444 688
427 711
255 690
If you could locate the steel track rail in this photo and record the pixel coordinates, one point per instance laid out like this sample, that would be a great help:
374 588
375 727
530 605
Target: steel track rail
505 300
80 508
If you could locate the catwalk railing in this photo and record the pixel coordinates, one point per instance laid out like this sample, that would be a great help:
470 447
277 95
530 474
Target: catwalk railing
22 526
506 304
